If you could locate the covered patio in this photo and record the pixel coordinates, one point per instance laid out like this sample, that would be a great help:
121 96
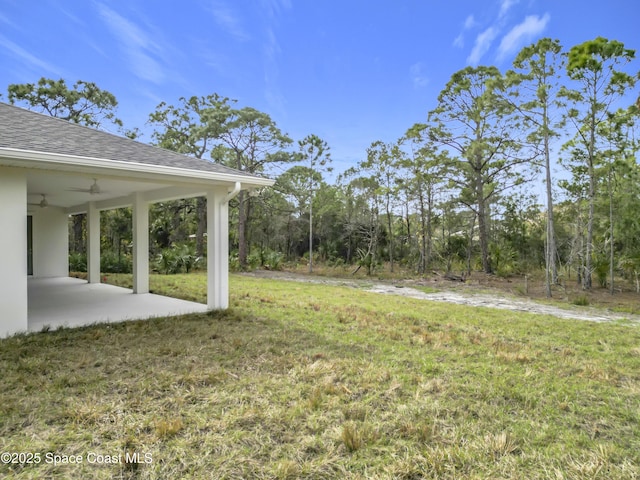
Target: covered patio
71 302
51 169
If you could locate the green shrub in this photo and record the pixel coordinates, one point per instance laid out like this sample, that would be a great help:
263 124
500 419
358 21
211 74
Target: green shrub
504 258
272 260
186 258
254 260
110 262
234 262
77 262
165 261
602 271
581 300
336 262
177 259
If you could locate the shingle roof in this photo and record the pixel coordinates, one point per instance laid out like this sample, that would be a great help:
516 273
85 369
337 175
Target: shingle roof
26 130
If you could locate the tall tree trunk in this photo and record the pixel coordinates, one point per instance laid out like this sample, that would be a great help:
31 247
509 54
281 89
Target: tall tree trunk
581 270
611 249
587 282
423 234
429 246
390 227
373 239
470 245
78 230
588 262
289 240
242 233
201 214
482 225
311 231
409 238
551 273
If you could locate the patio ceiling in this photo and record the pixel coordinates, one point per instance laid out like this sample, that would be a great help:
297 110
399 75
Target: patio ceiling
60 189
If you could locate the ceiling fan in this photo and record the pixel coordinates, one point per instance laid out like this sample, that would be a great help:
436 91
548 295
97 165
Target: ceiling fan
42 203
94 189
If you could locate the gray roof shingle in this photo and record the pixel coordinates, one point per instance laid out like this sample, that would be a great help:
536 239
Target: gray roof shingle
26 130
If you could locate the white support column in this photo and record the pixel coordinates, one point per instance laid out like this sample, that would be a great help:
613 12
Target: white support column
217 249
13 244
140 244
93 243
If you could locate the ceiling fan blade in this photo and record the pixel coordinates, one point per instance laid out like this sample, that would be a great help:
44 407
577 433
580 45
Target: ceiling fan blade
44 203
94 189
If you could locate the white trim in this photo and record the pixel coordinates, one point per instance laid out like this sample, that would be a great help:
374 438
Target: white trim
89 165
153 196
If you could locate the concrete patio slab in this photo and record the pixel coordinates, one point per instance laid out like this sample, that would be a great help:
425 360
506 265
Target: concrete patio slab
72 302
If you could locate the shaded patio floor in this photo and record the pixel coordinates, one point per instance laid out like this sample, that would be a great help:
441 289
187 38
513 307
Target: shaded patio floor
71 302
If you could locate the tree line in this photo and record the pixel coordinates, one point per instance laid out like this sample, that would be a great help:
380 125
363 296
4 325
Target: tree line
454 193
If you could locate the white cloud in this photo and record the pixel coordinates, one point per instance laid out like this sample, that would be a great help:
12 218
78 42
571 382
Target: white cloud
273 11
272 92
470 22
275 7
505 6
272 47
482 45
28 58
224 17
71 16
524 32
137 45
4 19
418 76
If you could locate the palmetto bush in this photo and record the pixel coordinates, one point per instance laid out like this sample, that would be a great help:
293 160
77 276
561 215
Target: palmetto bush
272 260
77 262
180 258
111 262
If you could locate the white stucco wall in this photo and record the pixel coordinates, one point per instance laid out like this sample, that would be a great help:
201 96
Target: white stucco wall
50 242
13 251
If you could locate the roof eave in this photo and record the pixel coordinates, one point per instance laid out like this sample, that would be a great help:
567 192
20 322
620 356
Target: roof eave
90 165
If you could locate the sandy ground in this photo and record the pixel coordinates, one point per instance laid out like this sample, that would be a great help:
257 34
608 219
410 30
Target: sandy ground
466 298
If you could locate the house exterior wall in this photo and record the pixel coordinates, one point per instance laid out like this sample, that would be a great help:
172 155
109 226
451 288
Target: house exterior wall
13 251
50 242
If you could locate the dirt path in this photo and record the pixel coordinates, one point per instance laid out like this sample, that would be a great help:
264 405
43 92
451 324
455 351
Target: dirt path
472 299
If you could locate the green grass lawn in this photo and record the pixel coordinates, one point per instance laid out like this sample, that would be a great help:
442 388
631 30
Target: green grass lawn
314 381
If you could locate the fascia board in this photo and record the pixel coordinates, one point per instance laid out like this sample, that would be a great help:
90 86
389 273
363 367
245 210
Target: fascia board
89 165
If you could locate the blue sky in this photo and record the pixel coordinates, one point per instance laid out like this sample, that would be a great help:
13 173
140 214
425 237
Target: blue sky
350 71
